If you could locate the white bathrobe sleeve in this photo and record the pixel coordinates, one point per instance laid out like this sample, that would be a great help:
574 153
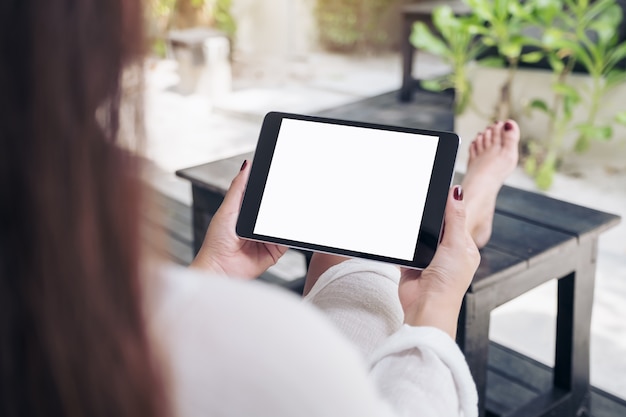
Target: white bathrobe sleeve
415 368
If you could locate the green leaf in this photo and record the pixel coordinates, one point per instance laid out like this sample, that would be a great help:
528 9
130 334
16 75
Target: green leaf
492 62
547 10
514 8
597 8
604 18
590 132
583 143
432 85
445 21
423 38
532 57
615 77
566 90
539 105
557 65
482 9
621 117
511 49
605 133
605 28
615 55
552 37
488 41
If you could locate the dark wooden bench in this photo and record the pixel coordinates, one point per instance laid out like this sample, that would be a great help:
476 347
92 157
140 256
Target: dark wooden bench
535 239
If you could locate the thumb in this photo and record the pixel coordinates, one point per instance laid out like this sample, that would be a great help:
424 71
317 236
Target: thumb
234 195
454 217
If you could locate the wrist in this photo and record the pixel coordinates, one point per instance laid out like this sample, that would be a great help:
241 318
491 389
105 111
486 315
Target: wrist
434 311
206 263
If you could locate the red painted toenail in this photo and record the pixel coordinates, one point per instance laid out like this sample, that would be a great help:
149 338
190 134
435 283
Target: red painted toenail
508 126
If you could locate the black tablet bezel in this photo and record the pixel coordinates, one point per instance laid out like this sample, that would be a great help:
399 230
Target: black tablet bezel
432 219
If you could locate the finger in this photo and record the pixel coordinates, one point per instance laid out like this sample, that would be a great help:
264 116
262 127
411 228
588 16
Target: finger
234 195
454 217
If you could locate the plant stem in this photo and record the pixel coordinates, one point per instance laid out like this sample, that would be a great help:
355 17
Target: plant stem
596 94
557 125
503 108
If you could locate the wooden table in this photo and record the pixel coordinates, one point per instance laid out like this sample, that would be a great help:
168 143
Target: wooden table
535 239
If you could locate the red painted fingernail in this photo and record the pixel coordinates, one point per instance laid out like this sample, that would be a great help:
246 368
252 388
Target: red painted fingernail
458 193
243 166
508 126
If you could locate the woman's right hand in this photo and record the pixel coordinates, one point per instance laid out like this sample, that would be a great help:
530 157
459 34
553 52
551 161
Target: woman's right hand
433 297
225 253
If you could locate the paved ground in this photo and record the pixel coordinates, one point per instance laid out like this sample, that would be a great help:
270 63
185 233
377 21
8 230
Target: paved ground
186 130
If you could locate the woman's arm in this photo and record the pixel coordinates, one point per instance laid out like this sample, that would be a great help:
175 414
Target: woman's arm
416 365
433 297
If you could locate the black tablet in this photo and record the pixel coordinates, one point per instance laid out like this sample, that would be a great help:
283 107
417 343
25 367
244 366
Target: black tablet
349 188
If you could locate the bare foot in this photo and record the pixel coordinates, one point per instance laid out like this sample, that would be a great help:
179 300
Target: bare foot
493 157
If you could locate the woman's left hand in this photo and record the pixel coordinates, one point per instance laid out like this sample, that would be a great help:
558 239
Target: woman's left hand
222 251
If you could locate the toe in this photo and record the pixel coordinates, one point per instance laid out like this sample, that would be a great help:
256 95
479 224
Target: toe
510 133
496 133
479 142
488 137
472 150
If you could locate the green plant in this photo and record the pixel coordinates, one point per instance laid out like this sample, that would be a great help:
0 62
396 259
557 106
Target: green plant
586 34
572 34
502 26
457 44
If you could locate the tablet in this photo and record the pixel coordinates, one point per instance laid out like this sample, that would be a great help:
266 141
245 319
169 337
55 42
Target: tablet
349 188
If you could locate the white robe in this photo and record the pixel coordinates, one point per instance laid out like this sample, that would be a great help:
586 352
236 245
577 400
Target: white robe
235 348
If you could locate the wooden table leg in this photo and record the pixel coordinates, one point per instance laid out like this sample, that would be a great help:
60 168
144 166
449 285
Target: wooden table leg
473 339
573 332
406 90
570 394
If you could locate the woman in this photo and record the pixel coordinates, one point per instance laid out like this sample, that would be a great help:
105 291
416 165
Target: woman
91 325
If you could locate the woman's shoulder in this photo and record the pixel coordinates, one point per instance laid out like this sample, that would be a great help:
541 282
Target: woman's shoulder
253 348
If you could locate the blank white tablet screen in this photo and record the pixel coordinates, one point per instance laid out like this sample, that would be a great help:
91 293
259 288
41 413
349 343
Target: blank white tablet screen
347 187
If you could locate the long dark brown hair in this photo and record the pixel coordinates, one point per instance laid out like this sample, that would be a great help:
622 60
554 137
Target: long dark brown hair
73 341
